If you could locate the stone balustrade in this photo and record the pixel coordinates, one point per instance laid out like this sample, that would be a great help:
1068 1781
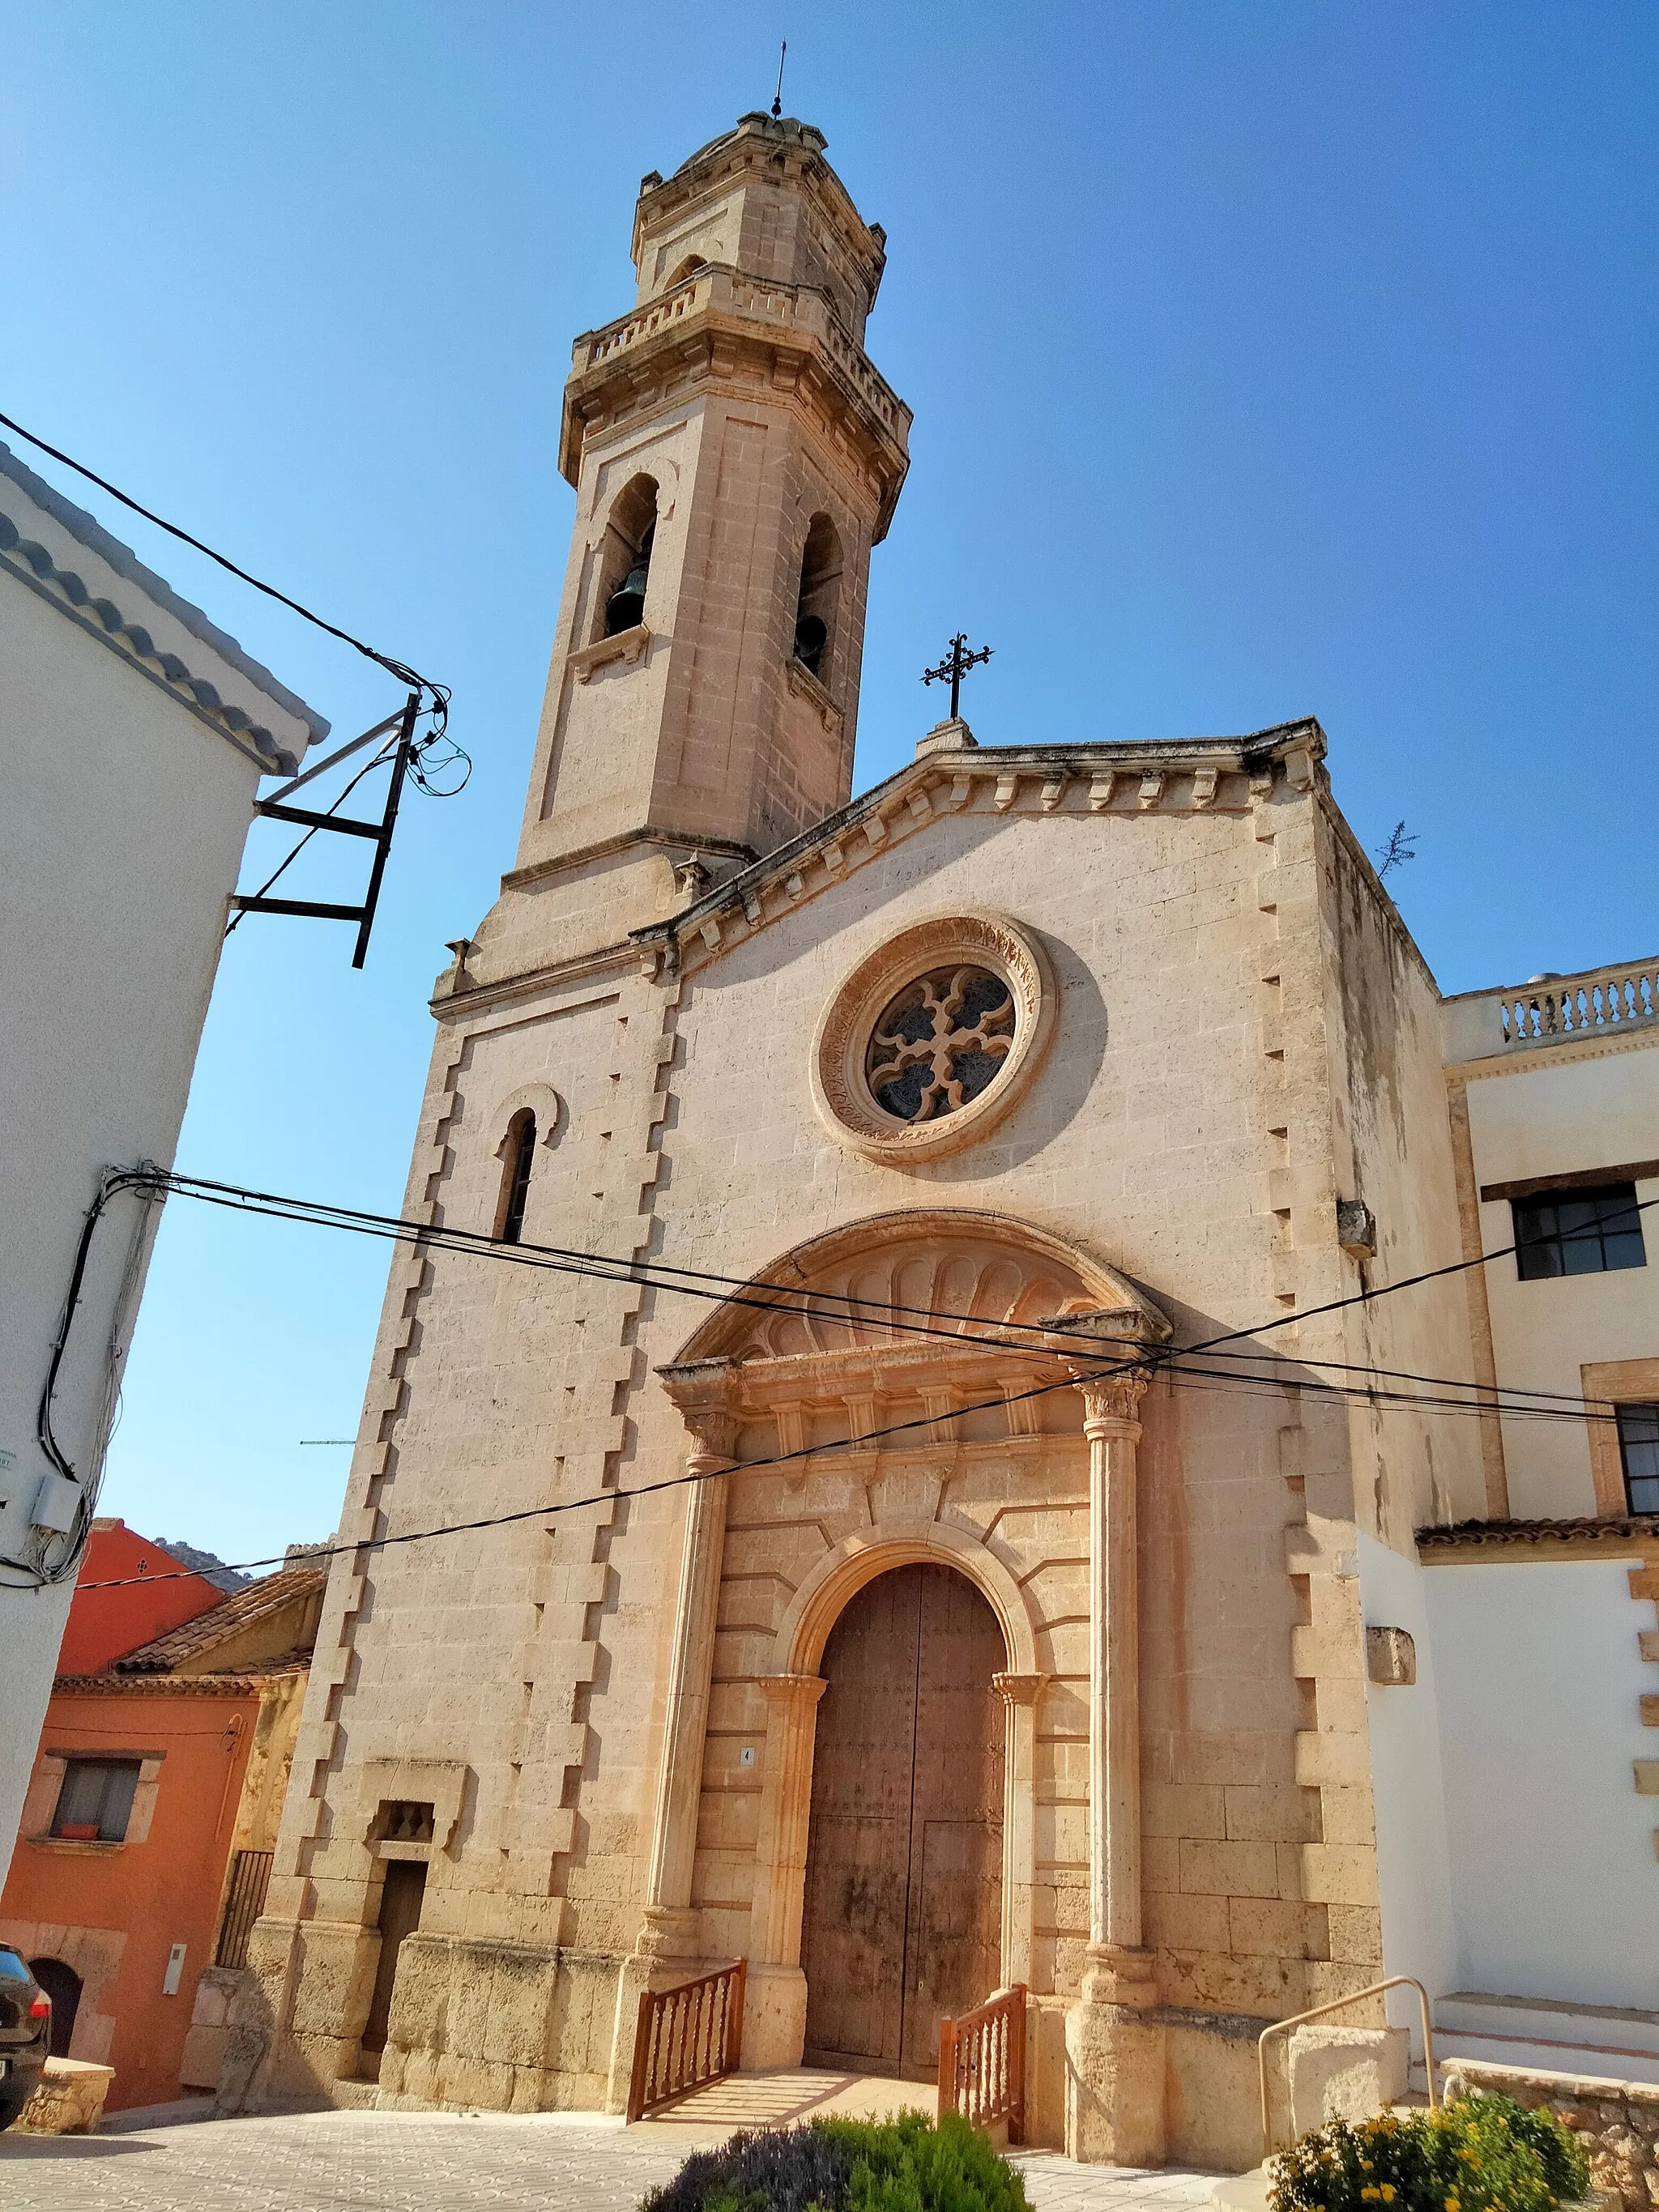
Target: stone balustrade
1595 1003
799 308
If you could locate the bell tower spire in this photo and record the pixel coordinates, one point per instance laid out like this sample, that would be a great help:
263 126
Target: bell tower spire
736 455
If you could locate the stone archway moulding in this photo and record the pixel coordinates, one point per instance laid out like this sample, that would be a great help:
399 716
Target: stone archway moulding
1081 1281
842 1573
542 1101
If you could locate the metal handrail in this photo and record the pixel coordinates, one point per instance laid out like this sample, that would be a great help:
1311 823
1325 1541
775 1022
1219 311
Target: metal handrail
1337 2004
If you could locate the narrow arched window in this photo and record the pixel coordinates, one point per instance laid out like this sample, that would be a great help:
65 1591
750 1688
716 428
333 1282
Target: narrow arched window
820 593
519 1153
630 530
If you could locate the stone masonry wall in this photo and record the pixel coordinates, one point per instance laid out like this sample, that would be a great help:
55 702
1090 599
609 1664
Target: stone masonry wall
1616 2122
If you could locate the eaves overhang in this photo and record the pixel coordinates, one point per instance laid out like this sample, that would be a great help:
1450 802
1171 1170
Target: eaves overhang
1468 1543
58 552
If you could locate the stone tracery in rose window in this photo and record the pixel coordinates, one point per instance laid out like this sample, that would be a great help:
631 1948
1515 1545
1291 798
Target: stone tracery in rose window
940 1042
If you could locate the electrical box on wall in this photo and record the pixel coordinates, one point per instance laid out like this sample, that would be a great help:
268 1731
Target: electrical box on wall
175 1968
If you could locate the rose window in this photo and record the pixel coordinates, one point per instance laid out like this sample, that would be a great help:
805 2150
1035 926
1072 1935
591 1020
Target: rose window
940 1042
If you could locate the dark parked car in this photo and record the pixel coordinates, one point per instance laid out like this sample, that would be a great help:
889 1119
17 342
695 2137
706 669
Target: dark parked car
25 2034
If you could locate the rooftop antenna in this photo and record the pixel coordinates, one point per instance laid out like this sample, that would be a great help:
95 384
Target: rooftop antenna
777 97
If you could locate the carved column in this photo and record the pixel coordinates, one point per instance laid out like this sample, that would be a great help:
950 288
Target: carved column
1020 1695
774 2006
670 1929
1115 2087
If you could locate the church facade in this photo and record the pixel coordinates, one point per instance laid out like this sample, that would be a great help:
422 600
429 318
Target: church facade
989 1642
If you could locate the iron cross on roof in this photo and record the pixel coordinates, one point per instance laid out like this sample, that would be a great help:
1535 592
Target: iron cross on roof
954 666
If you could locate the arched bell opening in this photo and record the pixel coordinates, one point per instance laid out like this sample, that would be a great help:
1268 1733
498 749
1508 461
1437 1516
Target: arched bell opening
819 598
901 1924
625 558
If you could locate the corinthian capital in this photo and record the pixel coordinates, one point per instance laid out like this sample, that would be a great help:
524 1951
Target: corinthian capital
1110 1402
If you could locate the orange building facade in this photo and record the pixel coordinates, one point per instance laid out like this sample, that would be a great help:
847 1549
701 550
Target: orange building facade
152 1597
147 1828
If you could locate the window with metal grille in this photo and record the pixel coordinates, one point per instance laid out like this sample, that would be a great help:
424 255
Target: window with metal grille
1577 1232
1638 1449
95 1801
245 1900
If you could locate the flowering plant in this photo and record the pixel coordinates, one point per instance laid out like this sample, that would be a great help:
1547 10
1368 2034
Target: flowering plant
1479 2153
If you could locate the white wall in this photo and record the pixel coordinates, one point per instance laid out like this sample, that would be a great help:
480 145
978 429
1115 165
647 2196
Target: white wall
1542 1117
1413 1872
121 833
1553 1880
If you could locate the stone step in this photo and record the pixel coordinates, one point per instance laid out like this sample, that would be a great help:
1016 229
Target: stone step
1612 2042
1546 2021
1242 2192
1596 2061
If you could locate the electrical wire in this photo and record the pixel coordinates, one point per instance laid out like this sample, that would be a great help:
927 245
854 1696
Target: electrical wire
427 760
405 674
1148 1359
772 1297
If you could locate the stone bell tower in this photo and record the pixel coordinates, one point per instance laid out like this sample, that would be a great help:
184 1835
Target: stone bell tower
735 455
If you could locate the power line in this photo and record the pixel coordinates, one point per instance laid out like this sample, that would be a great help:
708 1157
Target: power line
1149 1359
769 1298
401 670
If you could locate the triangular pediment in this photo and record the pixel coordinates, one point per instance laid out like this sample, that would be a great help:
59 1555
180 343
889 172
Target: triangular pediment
1189 776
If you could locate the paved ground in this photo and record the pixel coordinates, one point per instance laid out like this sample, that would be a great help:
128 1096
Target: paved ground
438 2162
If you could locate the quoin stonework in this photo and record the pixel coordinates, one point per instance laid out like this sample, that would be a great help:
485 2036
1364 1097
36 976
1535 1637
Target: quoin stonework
990 1645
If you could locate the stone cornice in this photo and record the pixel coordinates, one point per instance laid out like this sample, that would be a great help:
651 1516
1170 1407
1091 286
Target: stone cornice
463 1005
721 329
1183 775
1552 1051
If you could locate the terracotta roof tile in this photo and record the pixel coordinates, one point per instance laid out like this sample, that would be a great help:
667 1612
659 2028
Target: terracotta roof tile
222 1622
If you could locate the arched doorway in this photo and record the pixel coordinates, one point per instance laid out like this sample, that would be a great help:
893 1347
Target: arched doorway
903 1903
63 1985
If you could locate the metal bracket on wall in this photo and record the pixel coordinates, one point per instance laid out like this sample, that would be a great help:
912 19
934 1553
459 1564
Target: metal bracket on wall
277 810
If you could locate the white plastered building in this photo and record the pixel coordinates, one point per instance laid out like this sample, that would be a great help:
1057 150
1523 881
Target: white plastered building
133 738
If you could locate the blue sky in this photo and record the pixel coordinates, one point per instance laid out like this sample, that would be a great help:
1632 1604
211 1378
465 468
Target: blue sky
1266 358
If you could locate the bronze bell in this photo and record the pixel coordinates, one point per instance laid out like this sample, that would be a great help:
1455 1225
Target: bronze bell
625 608
811 638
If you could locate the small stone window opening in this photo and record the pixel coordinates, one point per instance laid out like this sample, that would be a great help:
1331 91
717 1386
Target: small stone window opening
1577 1231
95 1802
519 1151
626 556
405 1820
820 593
1638 1453
688 267
940 1042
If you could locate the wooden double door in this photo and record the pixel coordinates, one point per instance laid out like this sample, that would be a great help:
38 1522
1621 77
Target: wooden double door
904 1906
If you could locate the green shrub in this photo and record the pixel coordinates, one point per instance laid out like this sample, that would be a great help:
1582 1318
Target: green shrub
906 2164
1475 2154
